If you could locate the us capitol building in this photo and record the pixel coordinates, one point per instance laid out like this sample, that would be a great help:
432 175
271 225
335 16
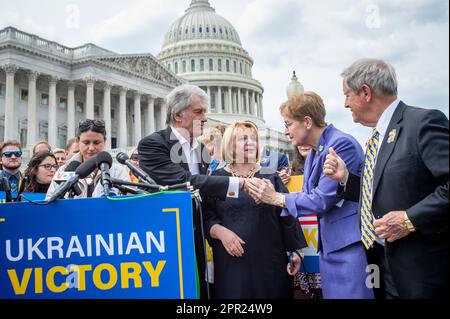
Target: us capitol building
46 87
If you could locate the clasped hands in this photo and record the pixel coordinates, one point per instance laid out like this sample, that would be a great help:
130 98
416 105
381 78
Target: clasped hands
262 191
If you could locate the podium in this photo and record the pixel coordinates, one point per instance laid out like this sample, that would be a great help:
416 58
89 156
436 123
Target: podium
127 247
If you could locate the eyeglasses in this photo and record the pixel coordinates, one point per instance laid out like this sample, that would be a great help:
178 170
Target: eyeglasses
49 166
10 154
134 157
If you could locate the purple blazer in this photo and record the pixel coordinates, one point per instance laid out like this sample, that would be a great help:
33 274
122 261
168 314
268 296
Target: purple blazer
338 219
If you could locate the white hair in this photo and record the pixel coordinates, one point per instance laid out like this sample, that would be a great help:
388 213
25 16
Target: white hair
180 98
377 74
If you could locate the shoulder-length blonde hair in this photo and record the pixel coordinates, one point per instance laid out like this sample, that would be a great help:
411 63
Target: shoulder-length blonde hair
229 141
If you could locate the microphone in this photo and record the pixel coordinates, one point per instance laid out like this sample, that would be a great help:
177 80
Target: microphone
123 158
81 172
68 172
104 162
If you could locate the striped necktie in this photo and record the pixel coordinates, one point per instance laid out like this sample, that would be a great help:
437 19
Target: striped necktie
367 229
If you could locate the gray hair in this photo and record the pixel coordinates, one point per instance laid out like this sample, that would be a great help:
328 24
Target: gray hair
377 74
180 98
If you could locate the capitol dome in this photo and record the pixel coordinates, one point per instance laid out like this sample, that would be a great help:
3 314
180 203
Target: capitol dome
201 22
205 49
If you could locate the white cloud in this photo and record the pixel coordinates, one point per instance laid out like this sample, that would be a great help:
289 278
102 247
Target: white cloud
27 24
315 38
137 16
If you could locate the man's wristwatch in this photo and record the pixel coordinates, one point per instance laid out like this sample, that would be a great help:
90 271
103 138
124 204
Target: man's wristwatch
408 224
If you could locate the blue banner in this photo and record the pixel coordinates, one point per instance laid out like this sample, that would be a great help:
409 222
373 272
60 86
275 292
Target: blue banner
98 248
26 196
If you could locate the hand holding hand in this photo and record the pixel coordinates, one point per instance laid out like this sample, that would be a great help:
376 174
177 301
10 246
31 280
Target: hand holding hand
264 191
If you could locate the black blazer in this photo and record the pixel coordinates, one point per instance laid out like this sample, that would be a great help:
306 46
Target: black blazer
412 174
161 156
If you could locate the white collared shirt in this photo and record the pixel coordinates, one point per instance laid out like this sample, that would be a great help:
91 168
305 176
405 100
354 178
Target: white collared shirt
193 162
189 151
384 120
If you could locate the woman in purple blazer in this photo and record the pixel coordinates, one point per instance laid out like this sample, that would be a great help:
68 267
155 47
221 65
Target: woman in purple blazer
343 260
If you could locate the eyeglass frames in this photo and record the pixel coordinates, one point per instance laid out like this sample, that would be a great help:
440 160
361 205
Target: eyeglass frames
10 154
49 166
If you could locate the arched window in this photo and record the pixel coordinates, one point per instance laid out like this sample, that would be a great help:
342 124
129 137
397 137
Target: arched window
219 65
228 65
235 66
184 66
176 67
192 65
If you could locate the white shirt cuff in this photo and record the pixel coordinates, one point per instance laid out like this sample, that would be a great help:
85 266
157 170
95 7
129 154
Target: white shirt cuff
233 187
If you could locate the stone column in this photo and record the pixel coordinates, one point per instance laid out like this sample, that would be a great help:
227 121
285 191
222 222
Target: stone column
90 81
219 97
52 129
247 104
71 110
208 90
163 115
11 124
252 104
230 101
151 114
137 118
240 106
261 106
107 112
123 118
32 106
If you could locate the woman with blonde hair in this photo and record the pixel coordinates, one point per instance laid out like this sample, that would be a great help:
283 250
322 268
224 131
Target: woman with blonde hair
249 241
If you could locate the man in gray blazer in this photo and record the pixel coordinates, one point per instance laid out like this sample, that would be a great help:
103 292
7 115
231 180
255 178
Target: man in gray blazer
404 186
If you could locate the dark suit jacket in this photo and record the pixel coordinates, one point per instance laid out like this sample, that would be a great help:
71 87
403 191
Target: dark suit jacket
161 156
412 174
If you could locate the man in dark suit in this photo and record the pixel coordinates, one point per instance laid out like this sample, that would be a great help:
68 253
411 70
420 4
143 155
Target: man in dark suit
403 192
173 156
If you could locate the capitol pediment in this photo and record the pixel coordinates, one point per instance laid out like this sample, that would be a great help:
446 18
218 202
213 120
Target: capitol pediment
144 66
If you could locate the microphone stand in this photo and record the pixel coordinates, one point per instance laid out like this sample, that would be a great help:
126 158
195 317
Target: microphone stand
146 186
130 190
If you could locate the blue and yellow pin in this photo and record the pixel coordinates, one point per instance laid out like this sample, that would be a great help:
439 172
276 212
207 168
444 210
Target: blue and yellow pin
392 135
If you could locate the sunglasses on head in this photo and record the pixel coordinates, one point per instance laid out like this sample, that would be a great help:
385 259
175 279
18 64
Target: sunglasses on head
10 154
93 125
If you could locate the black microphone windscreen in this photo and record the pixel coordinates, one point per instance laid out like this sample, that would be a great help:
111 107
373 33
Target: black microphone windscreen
72 166
86 168
104 157
122 157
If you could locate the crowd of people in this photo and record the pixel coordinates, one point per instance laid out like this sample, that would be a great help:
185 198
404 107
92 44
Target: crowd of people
385 205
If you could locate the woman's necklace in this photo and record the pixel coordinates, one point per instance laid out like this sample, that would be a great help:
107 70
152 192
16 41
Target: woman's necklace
250 174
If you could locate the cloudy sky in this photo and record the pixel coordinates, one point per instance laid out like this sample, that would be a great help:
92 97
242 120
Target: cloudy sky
317 39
